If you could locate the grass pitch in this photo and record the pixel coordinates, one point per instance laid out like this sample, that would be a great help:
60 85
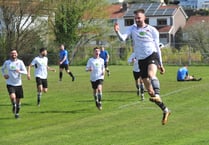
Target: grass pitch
68 116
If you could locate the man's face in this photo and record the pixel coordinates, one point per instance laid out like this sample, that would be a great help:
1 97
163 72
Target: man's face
62 47
96 52
44 53
13 54
139 18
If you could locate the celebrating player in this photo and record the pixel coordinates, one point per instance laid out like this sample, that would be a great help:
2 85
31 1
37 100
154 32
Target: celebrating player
146 48
12 70
41 66
96 66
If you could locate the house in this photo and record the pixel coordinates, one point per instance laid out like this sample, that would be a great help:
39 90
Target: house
195 21
194 4
168 19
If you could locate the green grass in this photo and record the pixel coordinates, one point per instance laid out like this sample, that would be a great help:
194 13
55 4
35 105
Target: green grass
68 115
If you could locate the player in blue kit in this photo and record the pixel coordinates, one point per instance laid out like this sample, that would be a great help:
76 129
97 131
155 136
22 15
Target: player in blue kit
183 75
105 56
64 63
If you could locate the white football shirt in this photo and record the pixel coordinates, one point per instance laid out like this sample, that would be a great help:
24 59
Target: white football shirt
145 41
9 67
135 63
41 65
97 66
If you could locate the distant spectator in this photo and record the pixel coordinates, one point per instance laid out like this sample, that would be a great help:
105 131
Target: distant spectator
183 75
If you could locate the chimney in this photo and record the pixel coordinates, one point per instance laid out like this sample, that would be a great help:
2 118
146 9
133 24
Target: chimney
124 6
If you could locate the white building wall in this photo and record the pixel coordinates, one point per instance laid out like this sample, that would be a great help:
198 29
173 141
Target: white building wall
153 20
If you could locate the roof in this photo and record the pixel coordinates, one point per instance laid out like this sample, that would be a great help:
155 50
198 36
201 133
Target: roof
115 11
196 19
164 29
152 9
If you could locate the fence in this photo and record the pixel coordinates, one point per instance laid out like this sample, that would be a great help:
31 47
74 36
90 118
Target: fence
120 58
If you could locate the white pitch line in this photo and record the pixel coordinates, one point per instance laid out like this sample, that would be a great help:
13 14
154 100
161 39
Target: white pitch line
167 94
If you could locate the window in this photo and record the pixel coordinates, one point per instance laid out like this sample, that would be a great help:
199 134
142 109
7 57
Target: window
129 22
161 22
163 35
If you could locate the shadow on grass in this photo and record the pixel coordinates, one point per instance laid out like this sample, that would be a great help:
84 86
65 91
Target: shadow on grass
84 101
120 91
5 104
7 118
22 104
61 111
107 100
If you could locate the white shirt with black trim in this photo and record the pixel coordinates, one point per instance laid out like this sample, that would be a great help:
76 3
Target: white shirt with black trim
145 41
135 63
41 65
10 68
97 66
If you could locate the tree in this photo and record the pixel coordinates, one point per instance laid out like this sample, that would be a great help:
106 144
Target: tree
78 22
198 37
22 26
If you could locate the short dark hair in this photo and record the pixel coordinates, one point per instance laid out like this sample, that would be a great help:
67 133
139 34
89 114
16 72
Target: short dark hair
139 11
13 49
96 48
42 49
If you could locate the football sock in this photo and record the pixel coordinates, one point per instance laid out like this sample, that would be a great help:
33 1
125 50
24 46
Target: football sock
137 86
161 105
14 106
156 85
71 74
95 97
60 75
13 103
18 108
100 97
142 88
39 97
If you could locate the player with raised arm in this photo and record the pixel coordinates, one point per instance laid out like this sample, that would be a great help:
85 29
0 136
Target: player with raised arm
146 48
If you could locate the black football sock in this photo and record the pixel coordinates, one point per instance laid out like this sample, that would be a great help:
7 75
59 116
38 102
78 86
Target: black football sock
71 74
60 76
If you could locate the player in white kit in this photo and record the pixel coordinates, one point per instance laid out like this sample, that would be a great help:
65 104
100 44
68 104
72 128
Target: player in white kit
40 64
96 66
146 48
12 70
137 76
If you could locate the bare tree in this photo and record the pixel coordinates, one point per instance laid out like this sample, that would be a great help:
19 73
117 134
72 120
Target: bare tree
21 22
